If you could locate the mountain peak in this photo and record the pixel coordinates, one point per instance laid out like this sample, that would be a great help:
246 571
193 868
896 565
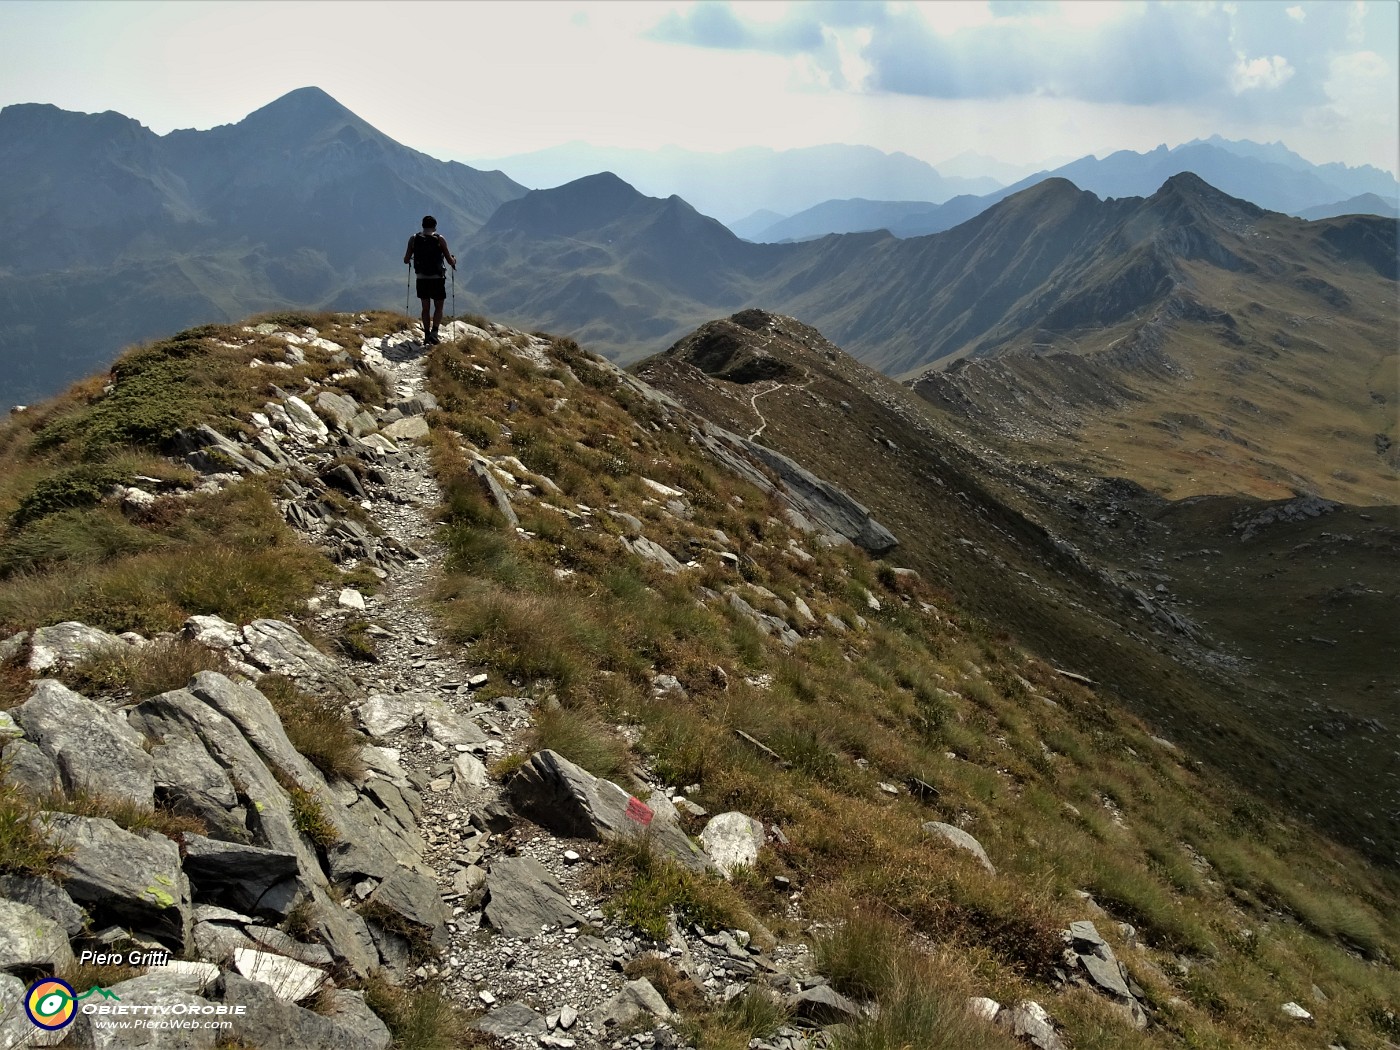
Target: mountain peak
1188 186
587 203
300 112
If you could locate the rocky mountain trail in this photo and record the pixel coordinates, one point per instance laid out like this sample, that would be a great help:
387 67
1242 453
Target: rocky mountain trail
423 867
448 849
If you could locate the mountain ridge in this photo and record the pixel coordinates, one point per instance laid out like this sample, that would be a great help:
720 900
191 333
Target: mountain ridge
301 203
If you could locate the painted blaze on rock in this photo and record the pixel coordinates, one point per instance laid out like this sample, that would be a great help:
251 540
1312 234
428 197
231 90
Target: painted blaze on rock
558 795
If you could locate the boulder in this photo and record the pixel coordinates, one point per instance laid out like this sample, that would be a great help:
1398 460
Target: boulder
448 726
343 409
69 643
732 840
189 780
823 1004
162 988
1028 1020
513 1021
12 646
275 940
306 421
960 838
250 878
469 774
814 499
216 942
522 897
46 897
769 625
652 551
415 898
637 999
270 1021
213 632
289 980
29 769
278 648
384 714
123 878
408 429
95 750
31 942
982 1008
210 452
180 713
495 493
16 1030
558 795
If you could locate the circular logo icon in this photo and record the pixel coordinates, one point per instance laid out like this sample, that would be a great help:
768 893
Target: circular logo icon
50 1003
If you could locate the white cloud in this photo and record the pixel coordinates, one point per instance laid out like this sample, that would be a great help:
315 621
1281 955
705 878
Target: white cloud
1296 13
1252 73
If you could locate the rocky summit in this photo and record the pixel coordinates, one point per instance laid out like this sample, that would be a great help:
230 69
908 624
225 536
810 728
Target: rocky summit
359 693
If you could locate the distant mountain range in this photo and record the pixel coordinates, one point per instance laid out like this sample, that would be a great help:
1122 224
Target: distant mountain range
733 185
114 233
1052 266
1270 176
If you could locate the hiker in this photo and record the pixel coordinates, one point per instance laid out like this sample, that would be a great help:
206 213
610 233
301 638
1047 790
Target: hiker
428 251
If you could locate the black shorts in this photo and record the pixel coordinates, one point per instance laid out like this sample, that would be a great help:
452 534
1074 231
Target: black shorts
434 288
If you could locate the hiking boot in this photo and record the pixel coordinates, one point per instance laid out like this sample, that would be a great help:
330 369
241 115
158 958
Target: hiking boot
431 339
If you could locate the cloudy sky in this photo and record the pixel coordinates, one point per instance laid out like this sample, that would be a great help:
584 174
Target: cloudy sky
1021 80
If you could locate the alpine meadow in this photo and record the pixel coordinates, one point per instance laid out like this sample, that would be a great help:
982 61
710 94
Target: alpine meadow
921 575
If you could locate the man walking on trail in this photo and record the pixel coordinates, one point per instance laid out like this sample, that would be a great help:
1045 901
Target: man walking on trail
430 255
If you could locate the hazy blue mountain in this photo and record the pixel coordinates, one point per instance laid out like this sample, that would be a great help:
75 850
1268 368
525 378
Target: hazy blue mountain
901 218
1272 177
1365 204
115 234
736 183
752 225
1269 175
1356 180
970 164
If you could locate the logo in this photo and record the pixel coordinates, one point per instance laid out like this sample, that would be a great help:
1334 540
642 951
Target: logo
50 1004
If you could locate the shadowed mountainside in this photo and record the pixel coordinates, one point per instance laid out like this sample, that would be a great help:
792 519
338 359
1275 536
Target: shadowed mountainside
1176 607
114 233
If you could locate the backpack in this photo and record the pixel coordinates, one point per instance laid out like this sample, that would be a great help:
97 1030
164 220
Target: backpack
428 256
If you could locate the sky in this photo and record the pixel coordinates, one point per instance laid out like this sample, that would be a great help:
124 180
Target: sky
1023 81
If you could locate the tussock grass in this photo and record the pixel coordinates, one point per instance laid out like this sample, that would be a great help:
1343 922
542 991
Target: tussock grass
318 727
228 554
921 999
25 848
131 816
582 740
421 1018
644 889
143 672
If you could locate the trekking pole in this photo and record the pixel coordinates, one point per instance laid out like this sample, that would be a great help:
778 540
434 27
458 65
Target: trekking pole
407 284
454 293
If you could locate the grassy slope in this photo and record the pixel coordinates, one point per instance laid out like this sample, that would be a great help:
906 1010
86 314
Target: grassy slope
1064 790
969 518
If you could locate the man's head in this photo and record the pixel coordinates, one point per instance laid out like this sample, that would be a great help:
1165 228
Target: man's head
429 223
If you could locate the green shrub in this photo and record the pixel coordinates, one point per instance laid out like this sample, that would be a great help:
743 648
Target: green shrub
309 816
75 487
